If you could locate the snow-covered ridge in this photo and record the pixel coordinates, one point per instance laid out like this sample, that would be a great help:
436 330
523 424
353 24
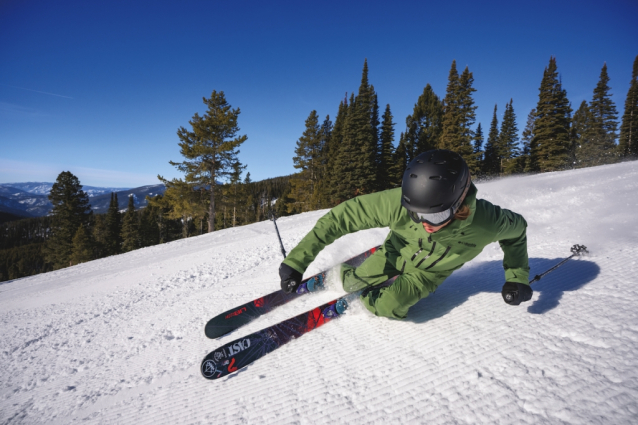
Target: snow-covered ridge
31 199
44 188
120 340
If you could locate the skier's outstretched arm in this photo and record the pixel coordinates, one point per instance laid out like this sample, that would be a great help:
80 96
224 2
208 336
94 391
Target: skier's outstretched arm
512 237
363 212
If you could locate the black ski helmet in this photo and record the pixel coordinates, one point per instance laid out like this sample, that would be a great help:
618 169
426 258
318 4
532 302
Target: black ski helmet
434 186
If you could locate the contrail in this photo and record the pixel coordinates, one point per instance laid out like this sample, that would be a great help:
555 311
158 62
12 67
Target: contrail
38 91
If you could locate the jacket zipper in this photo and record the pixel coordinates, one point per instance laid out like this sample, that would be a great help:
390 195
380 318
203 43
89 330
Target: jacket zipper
439 259
416 254
427 256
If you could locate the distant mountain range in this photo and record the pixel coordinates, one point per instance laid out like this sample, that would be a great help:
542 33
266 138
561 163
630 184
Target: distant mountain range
31 199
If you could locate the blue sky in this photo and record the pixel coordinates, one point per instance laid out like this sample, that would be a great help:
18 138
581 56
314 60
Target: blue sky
99 88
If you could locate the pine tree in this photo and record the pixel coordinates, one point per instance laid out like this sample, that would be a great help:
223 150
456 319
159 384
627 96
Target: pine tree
99 235
113 222
235 196
550 146
130 227
509 133
347 160
353 155
149 228
459 116
585 136
491 157
423 127
321 195
248 205
605 118
71 209
211 148
82 247
363 133
468 118
375 124
628 142
184 202
400 162
386 151
508 142
451 123
308 161
478 148
332 177
161 208
527 135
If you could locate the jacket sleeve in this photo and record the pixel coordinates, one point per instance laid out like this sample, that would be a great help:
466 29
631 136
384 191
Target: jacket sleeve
363 212
512 236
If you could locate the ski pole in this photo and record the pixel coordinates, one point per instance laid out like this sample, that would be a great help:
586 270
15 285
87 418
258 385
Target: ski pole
273 217
577 250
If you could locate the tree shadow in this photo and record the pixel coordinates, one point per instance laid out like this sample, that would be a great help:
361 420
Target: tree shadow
488 277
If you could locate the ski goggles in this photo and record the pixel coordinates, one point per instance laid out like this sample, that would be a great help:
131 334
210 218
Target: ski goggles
433 219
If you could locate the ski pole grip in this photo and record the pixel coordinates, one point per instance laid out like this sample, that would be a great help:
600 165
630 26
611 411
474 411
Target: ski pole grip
579 250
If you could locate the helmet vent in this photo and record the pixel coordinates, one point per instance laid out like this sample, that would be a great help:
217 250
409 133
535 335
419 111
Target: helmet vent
419 161
440 162
452 172
406 199
436 206
436 177
414 176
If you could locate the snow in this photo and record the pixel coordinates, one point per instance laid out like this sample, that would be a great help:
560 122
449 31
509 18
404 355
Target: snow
30 201
43 188
120 340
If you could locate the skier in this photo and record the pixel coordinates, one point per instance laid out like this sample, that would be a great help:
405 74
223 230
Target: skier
436 225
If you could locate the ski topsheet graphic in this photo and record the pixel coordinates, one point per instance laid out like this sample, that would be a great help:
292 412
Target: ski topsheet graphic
237 317
241 352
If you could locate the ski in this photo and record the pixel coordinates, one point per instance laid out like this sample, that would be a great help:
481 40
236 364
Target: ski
241 352
237 317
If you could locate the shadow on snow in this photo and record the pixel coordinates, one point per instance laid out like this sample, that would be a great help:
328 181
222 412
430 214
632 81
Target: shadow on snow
489 277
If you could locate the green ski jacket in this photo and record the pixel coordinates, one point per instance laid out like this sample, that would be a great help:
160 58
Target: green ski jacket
445 250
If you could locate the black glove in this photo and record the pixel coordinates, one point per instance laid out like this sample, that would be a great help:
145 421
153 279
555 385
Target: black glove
515 293
290 278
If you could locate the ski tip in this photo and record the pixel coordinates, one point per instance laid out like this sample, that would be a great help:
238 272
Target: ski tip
213 331
216 334
226 323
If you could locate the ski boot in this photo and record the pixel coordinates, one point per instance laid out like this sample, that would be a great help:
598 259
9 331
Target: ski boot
335 309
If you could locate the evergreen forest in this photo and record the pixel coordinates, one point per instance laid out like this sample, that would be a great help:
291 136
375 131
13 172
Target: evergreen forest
356 153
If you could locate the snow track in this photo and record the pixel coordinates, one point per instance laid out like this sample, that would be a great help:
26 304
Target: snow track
120 340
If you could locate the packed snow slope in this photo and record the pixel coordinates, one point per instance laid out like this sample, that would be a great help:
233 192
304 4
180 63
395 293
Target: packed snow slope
120 340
